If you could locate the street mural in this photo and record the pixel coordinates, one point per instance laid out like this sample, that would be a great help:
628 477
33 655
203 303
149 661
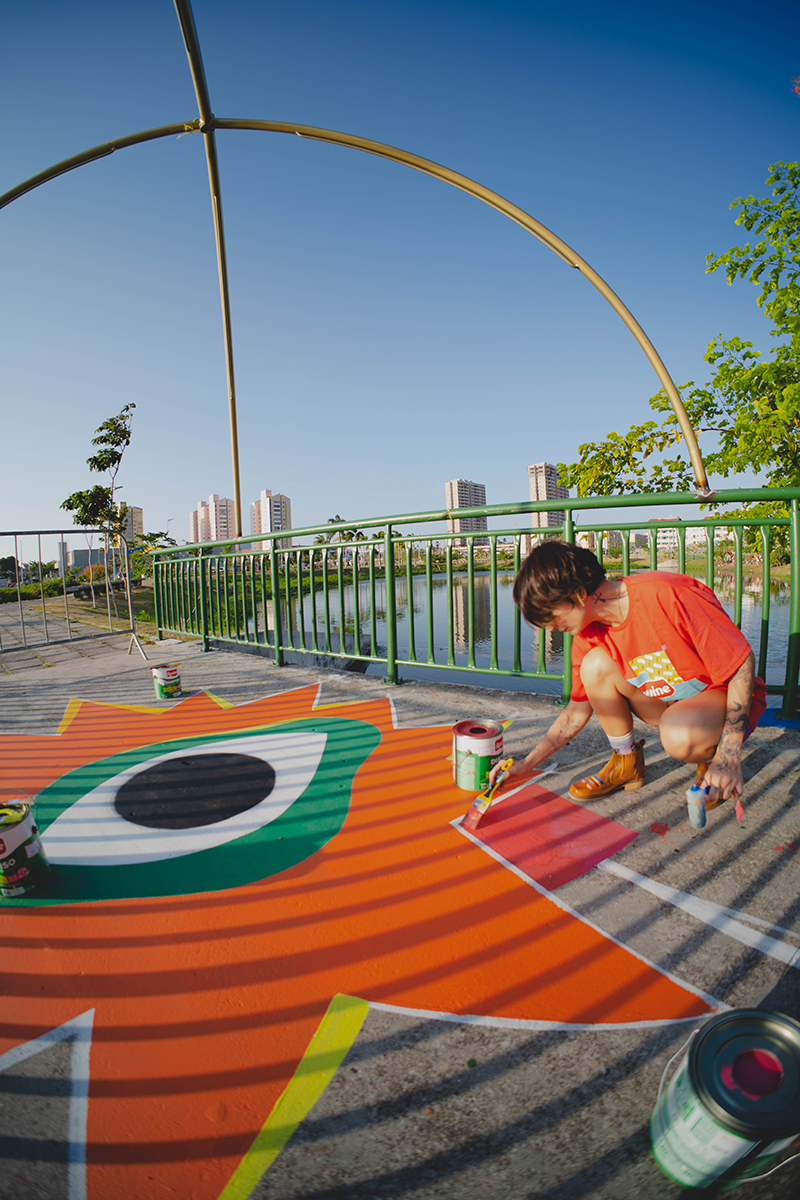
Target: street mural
231 887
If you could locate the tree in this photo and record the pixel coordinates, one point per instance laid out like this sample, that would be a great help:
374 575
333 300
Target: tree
8 567
141 560
339 535
97 505
751 402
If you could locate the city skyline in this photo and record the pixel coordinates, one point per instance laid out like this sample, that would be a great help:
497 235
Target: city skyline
212 520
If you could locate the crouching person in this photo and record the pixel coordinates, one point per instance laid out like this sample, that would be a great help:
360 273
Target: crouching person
655 645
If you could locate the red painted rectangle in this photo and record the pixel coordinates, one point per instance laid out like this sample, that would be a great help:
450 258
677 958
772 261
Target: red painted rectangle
549 838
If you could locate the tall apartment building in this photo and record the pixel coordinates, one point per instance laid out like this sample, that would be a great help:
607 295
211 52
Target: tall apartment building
134 524
543 484
463 493
214 521
270 513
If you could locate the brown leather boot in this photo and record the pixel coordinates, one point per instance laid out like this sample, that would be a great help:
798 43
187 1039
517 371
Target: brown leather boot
621 771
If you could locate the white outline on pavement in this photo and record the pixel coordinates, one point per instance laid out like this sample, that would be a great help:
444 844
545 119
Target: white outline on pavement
536 1026
79 1032
712 1001
726 920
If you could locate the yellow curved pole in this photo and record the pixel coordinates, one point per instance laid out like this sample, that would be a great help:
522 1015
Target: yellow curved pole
527 222
493 199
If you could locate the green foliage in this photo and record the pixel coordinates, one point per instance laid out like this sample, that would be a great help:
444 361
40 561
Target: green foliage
113 437
774 261
90 507
32 591
339 535
8 566
97 505
751 403
141 560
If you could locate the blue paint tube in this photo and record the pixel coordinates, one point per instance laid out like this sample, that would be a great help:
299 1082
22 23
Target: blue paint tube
696 799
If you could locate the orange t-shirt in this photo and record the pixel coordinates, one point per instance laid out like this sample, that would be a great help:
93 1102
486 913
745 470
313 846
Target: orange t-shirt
676 640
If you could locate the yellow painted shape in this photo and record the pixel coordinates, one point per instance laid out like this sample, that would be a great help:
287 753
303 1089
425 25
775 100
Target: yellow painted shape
335 1034
70 713
219 701
73 708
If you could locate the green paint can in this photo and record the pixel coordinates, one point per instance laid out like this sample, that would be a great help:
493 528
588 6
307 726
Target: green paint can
23 863
733 1105
477 747
167 681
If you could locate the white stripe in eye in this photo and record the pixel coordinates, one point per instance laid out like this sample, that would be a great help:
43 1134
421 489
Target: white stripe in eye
92 833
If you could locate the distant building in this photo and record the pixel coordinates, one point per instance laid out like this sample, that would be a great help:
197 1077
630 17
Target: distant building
543 484
666 539
463 493
699 537
78 560
134 524
214 521
270 513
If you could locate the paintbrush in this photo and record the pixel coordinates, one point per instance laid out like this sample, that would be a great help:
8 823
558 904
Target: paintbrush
485 798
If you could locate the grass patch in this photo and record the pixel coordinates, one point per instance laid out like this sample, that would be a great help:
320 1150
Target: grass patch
143 603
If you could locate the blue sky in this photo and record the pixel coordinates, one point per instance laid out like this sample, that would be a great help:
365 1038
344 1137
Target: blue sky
390 332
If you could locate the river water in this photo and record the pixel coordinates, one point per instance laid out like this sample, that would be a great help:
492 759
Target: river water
479 676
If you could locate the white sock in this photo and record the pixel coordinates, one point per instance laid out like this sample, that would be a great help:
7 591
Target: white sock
622 745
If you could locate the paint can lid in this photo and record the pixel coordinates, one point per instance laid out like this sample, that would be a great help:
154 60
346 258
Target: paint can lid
12 812
745 1065
478 729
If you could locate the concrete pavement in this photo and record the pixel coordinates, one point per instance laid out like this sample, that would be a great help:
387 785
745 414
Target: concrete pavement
427 1107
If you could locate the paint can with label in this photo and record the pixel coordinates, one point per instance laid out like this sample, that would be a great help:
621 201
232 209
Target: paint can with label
166 680
733 1104
477 746
23 863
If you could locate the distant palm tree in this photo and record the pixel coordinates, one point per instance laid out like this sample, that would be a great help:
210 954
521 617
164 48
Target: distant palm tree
344 535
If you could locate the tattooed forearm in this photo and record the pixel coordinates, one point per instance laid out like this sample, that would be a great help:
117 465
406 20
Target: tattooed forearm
740 694
568 726
563 730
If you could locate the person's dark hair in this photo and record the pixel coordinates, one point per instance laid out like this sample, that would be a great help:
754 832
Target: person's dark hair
554 573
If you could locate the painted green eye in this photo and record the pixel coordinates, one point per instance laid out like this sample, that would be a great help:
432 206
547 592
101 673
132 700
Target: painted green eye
198 814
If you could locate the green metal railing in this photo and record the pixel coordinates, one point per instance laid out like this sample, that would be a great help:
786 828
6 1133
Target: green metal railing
293 594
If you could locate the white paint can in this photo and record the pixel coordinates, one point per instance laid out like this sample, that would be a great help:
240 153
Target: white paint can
477 747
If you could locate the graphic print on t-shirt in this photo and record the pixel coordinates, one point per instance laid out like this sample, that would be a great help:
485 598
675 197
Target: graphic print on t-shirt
657 677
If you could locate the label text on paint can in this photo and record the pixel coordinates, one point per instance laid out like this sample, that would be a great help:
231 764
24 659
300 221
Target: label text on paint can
477 747
23 864
689 1145
166 680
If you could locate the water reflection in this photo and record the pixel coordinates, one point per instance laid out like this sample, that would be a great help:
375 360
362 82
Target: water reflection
481 611
357 626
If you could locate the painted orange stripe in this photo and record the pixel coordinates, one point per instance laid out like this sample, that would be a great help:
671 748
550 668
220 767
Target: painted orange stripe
205 1004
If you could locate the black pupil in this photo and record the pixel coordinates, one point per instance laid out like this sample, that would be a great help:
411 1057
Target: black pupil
183 793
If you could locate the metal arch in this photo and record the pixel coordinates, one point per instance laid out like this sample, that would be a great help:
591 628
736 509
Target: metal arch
494 200
420 164
190 40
